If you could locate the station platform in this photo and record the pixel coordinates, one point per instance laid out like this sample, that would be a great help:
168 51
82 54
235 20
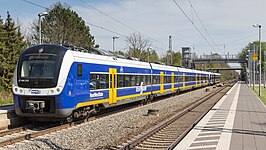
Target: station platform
236 122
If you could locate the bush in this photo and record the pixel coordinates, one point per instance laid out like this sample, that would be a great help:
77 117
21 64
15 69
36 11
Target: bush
6 97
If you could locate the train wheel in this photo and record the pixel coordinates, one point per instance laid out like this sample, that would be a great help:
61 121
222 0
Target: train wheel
151 97
69 119
144 101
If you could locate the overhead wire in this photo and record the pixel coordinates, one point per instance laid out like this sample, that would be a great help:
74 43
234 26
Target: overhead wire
85 21
246 37
103 28
35 4
122 23
203 25
194 25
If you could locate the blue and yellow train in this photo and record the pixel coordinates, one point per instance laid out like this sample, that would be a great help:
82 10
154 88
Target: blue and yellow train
53 82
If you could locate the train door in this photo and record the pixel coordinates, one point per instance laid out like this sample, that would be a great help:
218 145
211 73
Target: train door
173 81
161 82
112 85
197 80
184 80
207 80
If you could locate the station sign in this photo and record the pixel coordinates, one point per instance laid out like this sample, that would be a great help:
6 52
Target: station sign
255 57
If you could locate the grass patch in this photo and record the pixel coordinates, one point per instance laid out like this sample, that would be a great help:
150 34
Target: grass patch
7 101
6 97
263 93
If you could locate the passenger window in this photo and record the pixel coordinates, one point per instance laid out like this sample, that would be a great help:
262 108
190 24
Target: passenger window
133 80
99 81
139 80
120 80
104 81
79 70
148 80
92 82
127 81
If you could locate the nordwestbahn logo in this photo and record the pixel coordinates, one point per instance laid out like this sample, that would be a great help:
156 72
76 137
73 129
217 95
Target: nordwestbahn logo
141 88
35 92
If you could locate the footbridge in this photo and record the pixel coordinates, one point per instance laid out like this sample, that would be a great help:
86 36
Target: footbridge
216 58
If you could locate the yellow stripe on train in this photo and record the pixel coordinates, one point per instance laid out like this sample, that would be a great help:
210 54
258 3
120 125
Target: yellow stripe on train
128 96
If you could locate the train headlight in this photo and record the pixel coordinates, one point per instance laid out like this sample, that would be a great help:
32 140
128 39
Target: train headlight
20 91
58 90
52 91
16 89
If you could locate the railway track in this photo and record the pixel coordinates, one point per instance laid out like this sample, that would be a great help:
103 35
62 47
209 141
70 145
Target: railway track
170 132
27 132
11 136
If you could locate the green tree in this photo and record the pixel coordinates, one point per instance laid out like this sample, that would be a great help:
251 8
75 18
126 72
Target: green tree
176 58
153 56
11 45
120 53
1 45
63 26
250 49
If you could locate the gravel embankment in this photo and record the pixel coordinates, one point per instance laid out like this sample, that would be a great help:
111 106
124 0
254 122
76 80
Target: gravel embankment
112 130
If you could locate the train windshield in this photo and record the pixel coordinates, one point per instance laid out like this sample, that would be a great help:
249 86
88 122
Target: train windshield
40 66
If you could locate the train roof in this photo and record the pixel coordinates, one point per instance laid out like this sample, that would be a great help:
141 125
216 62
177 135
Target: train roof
185 70
103 59
217 74
100 56
200 72
163 67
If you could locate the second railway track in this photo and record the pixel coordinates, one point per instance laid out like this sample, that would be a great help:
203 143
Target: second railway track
168 133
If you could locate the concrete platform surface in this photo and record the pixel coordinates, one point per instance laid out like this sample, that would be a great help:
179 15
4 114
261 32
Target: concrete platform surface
236 122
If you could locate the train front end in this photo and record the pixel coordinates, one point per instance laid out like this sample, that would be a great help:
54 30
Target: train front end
35 84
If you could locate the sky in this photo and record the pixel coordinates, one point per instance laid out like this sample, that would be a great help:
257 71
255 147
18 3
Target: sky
227 23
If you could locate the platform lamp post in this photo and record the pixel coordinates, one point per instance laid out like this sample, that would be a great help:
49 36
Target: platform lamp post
40 25
248 58
259 26
114 37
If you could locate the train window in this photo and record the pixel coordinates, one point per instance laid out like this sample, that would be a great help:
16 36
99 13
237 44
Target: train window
167 79
79 70
120 79
180 78
139 80
176 79
92 81
190 78
187 78
99 81
126 81
104 84
156 79
148 80
133 80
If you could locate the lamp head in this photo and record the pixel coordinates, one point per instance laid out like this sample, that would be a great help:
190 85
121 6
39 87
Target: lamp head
256 25
43 14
